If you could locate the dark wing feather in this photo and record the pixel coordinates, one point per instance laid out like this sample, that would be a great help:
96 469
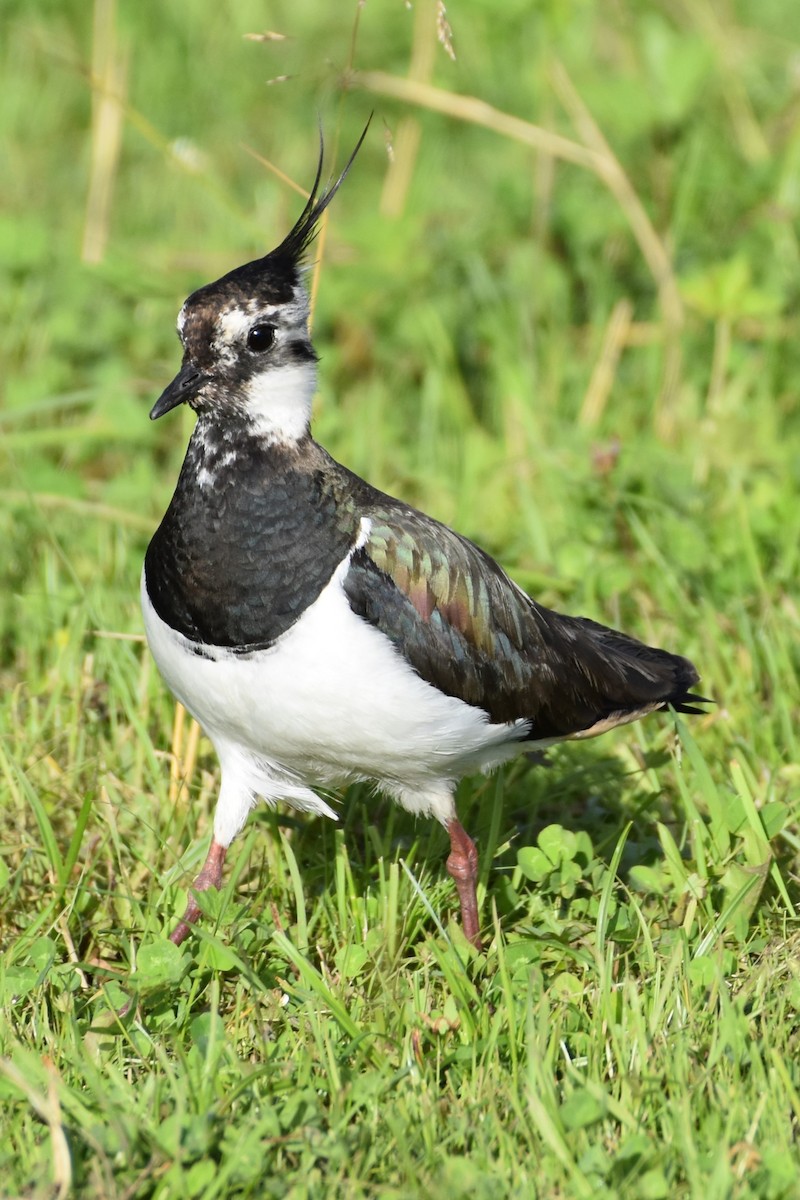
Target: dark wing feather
467 629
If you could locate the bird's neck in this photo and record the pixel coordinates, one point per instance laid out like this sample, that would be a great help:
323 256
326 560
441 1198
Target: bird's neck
220 451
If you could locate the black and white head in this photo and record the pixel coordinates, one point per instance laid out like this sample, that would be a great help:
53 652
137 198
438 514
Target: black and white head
247 353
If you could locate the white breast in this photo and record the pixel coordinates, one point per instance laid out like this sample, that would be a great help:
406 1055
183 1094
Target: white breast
331 701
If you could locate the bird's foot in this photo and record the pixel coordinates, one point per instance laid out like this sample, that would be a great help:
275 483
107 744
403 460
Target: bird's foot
462 865
209 877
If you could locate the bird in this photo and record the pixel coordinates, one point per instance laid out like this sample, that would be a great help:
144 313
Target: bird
323 632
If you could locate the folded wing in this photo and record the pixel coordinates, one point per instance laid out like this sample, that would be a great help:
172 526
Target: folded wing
467 629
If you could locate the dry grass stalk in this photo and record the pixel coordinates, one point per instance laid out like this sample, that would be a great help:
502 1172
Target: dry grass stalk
48 1109
478 112
269 35
594 154
109 78
724 36
405 144
444 31
612 174
183 753
176 755
276 171
653 249
599 389
52 502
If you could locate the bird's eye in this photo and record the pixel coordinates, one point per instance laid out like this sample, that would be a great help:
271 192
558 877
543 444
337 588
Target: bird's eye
261 337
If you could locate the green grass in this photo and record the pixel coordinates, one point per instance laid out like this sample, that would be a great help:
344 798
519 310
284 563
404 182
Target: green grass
631 1029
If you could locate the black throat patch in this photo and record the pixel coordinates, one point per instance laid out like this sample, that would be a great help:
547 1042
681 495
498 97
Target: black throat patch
251 537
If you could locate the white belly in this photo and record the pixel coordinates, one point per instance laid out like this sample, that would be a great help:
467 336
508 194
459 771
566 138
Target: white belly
331 701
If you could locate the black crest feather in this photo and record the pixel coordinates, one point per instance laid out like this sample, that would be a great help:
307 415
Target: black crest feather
305 229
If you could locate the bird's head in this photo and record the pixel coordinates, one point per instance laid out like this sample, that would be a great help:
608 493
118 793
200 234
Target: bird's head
247 352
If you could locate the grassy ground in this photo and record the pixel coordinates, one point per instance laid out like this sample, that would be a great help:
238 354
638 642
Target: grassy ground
574 339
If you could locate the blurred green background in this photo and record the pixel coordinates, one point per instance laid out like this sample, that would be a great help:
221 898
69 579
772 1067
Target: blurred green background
556 304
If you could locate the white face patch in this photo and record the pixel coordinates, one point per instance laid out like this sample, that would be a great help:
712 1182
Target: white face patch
278 401
233 324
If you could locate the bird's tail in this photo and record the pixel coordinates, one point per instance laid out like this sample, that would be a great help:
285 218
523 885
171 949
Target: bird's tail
614 679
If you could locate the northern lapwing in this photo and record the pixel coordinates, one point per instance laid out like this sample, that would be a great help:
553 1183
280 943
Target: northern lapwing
323 632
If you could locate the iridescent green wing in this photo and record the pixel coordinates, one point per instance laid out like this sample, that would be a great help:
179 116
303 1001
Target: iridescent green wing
468 630
450 610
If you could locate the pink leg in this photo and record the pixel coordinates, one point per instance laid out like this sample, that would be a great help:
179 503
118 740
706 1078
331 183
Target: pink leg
210 876
463 866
